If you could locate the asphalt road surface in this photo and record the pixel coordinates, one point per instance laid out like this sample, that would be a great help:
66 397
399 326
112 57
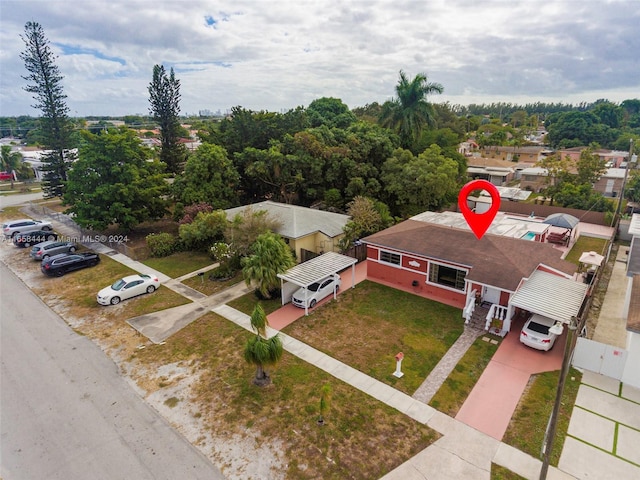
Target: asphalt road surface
65 412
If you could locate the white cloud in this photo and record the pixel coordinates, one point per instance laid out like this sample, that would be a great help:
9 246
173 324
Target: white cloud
281 54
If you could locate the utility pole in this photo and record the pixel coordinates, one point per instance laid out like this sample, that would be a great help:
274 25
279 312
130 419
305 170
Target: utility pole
624 180
550 433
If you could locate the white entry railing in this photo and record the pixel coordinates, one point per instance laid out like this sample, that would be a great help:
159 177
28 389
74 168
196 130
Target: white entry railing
467 312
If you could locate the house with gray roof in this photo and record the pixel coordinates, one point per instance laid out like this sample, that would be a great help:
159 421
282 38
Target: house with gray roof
304 229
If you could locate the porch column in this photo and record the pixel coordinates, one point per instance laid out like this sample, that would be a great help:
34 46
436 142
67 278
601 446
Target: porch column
507 321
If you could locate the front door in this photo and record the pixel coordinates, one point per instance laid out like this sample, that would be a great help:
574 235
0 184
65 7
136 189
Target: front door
491 295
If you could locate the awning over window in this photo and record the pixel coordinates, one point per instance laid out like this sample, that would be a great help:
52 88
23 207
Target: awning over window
551 296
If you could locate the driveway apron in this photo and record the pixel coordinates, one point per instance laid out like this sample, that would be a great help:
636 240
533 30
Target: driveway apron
490 405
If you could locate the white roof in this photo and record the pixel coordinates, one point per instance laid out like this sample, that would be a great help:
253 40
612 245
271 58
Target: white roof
304 274
534 171
614 173
298 222
551 296
507 225
634 226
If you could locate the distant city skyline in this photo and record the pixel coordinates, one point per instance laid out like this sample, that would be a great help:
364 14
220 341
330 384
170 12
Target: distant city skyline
283 54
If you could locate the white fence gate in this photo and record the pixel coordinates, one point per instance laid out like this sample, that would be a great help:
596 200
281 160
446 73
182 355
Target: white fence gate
599 357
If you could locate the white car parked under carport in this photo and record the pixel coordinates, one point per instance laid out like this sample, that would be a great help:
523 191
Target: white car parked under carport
316 291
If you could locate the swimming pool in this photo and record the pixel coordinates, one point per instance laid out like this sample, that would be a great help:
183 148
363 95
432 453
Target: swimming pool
529 236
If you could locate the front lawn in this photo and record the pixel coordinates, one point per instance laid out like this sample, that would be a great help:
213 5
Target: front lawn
179 263
368 325
354 441
456 388
211 286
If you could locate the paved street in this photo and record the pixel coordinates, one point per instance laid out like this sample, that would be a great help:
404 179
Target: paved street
66 413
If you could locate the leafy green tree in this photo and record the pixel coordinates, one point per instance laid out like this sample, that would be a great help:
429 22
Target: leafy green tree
590 167
557 173
45 83
112 182
246 128
164 97
410 112
609 114
416 184
269 257
632 189
330 112
583 197
206 229
273 173
245 228
209 176
260 350
367 217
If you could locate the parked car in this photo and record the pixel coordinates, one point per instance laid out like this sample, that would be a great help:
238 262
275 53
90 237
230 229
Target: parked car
316 291
32 238
44 250
14 227
128 287
6 176
58 265
535 333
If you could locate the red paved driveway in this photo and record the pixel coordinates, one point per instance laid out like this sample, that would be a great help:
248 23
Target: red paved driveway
493 400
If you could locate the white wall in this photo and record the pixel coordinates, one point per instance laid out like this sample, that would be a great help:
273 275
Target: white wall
631 372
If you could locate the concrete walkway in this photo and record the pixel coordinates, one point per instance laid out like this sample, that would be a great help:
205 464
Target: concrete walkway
612 324
447 363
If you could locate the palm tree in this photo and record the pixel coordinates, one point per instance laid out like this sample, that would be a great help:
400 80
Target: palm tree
11 161
410 112
270 256
262 351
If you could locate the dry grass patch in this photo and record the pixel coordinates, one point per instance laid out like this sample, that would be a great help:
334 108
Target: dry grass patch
368 325
286 412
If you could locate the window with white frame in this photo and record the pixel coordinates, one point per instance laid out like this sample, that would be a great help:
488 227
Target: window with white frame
389 257
447 276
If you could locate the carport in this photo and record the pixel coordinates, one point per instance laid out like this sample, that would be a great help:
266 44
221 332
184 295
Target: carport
549 295
312 271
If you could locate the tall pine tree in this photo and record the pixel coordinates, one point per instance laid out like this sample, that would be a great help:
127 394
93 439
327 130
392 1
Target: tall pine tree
164 96
45 83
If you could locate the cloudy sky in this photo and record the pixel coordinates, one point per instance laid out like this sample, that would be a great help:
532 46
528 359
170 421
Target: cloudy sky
279 54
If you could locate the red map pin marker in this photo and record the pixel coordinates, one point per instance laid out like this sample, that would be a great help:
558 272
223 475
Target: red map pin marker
479 222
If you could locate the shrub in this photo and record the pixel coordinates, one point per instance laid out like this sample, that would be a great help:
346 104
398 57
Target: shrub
161 244
190 212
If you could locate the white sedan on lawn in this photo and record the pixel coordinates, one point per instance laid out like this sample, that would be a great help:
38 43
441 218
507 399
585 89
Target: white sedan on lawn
128 287
316 292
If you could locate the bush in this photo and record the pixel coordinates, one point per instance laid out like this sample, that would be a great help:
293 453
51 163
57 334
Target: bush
161 244
190 212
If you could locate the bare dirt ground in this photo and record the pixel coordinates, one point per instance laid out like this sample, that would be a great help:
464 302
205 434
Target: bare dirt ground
170 389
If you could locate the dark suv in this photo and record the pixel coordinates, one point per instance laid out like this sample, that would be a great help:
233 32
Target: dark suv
58 265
